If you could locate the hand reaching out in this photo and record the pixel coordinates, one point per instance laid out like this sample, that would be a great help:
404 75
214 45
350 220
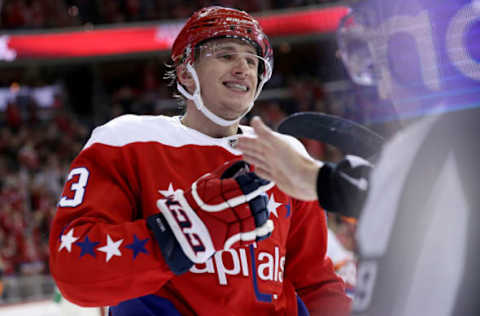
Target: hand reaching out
281 159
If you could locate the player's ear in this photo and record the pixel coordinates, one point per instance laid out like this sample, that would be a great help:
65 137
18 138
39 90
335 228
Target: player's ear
185 78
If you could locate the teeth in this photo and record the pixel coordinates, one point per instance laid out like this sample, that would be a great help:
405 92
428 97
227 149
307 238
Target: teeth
236 86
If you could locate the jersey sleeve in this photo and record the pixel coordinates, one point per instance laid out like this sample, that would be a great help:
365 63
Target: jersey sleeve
308 267
101 251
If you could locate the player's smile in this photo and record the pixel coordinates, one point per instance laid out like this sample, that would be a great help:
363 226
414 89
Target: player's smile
236 86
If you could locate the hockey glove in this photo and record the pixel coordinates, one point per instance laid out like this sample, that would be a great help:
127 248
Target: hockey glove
342 188
224 208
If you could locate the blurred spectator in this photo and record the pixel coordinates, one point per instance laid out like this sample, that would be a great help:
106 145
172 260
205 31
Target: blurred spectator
271 111
13 116
14 14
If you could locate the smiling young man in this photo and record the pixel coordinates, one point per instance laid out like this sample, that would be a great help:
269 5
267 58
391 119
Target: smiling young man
159 216
229 70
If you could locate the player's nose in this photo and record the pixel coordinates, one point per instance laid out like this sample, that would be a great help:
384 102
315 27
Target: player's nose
240 67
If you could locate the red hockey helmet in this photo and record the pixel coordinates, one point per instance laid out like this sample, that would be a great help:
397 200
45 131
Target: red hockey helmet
219 22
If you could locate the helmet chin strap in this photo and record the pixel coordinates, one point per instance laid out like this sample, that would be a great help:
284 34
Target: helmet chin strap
197 99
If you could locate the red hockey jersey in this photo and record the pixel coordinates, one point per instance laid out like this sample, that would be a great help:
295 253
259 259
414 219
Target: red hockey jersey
102 252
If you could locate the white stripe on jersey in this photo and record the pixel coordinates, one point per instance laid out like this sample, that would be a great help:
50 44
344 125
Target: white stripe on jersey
127 129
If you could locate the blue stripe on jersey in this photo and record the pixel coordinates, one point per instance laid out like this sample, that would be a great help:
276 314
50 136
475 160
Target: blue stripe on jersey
262 297
149 305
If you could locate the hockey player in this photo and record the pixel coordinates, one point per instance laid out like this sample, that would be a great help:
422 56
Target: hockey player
417 234
159 216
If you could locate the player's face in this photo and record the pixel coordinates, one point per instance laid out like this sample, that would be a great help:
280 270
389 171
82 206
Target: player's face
228 72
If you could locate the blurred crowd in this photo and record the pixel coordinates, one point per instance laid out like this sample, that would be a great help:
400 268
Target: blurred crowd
35 14
37 146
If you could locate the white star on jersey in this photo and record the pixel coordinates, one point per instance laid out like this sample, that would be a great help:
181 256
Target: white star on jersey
168 192
67 241
111 248
272 205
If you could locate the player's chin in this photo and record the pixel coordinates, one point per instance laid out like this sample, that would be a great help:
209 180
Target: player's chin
235 110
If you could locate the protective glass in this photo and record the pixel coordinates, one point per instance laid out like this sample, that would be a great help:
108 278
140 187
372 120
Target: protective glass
230 54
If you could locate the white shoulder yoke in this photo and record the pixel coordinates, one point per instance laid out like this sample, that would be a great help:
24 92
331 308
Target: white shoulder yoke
127 129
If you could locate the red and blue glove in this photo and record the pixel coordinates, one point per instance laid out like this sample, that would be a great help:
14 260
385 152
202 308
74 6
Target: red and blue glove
223 209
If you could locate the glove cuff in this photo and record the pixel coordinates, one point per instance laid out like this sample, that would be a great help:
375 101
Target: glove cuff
187 227
170 248
324 186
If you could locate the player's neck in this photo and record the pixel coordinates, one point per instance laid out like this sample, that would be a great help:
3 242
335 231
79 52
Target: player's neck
197 121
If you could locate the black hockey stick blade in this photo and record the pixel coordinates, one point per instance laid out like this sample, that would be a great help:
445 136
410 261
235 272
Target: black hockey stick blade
346 135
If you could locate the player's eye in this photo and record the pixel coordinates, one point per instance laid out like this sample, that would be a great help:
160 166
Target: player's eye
252 61
225 56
